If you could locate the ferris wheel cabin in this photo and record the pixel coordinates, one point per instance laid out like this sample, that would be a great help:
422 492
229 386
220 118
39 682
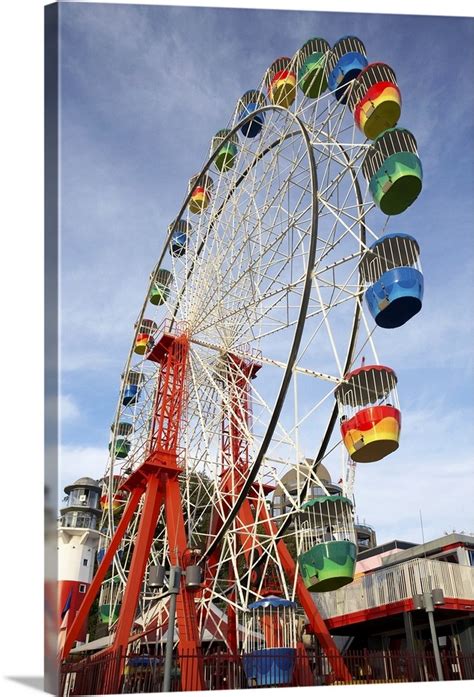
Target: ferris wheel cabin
247 104
375 100
109 612
393 170
227 149
200 187
145 335
369 413
329 543
179 238
119 499
131 392
280 80
160 289
311 63
120 442
345 62
270 642
392 271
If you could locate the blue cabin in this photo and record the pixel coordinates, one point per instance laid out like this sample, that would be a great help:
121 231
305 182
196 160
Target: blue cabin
179 238
270 644
391 269
346 60
248 103
131 391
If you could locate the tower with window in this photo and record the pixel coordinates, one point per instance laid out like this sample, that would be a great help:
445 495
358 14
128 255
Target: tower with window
78 538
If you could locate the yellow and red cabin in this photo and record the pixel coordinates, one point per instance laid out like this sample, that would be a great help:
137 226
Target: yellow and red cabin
281 82
369 413
144 336
375 100
201 187
119 496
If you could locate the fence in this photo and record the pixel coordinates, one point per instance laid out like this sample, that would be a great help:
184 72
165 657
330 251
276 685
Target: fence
221 671
398 582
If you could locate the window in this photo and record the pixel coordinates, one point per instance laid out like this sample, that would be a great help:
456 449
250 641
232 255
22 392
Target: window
82 588
85 562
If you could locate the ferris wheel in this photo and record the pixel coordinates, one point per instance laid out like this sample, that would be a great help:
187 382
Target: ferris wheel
253 357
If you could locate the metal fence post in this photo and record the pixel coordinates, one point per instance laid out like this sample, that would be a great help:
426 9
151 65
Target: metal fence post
175 575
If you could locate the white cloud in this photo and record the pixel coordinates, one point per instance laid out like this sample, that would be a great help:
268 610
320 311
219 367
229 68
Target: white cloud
68 409
431 471
77 461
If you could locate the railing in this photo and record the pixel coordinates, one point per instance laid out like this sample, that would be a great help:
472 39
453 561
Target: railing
221 671
396 583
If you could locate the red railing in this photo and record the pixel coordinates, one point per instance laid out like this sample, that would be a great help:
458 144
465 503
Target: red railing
222 671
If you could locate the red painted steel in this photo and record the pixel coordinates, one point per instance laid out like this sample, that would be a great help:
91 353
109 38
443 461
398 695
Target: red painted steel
236 458
395 608
157 477
146 530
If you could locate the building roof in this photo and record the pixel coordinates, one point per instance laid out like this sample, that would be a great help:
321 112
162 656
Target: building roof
427 549
387 546
290 479
85 482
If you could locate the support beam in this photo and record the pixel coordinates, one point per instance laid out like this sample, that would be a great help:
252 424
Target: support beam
146 531
191 670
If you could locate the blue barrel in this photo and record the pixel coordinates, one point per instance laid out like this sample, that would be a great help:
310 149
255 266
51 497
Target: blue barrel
391 269
130 395
346 61
178 243
248 103
396 297
265 667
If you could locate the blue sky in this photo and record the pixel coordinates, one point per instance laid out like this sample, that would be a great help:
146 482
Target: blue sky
143 90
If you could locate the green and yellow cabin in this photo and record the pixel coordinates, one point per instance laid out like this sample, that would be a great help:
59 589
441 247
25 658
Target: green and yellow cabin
160 289
226 147
120 444
109 611
393 170
311 65
329 543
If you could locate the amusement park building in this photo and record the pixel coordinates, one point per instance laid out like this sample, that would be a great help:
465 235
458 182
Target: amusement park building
381 609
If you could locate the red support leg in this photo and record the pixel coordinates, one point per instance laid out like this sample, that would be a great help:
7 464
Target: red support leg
146 531
235 452
188 647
